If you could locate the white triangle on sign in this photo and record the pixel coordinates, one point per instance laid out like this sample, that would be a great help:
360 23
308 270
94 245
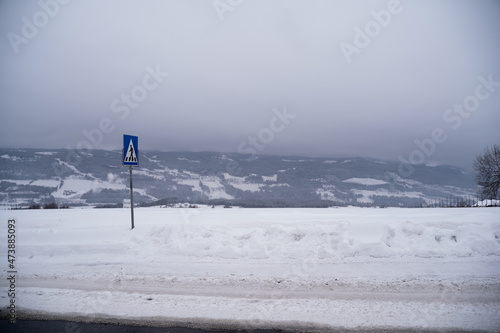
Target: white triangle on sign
131 156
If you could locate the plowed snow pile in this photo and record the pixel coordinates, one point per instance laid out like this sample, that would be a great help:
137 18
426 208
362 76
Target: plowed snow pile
312 269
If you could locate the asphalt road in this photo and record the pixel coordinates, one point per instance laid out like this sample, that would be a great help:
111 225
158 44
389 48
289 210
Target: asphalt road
57 326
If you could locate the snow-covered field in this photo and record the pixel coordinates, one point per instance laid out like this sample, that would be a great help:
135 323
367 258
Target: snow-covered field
354 268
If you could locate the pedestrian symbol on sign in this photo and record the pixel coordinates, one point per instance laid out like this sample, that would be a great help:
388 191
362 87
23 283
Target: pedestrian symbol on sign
130 157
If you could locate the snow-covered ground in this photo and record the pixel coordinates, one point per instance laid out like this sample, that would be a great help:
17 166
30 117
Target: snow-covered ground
303 268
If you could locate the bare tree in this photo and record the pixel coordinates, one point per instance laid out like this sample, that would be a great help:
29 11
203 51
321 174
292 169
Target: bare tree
487 168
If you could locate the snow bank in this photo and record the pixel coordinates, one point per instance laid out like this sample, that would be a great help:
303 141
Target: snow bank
220 235
345 267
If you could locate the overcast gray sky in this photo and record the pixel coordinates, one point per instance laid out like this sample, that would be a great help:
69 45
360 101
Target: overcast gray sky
356 78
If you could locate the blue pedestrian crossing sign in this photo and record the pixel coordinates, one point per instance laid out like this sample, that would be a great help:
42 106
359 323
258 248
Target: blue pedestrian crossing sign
130 156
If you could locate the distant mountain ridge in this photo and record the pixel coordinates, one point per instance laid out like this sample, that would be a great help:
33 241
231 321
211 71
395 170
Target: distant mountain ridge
96 178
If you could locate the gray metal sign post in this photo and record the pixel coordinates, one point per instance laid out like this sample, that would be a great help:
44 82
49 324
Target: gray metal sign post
130 158
131 198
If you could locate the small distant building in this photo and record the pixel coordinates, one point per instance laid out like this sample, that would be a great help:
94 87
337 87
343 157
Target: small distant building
126 203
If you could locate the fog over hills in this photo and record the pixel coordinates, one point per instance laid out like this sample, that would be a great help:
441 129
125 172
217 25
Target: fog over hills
97 178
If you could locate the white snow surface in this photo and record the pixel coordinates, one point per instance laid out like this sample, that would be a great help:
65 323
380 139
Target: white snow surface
47 153
12 158
215 188
273 178
365 181
312 269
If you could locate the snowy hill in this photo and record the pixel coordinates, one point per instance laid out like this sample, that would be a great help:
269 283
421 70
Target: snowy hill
30 176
